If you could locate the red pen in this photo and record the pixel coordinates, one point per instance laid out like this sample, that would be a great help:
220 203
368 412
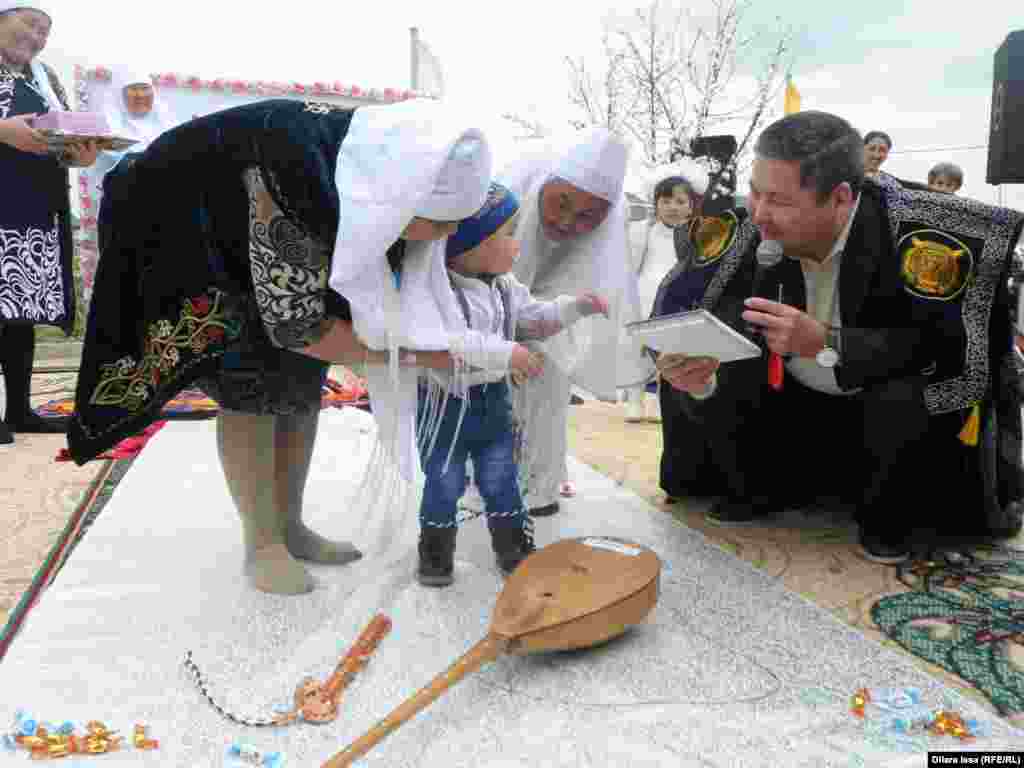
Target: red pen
776 366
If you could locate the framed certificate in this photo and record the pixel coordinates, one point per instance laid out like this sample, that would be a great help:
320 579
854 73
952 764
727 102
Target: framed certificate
694 334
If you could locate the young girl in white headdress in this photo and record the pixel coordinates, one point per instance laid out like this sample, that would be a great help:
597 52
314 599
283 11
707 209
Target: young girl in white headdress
656 247
470 415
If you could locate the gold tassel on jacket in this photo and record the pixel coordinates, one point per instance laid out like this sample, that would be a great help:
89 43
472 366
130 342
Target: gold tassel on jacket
969 434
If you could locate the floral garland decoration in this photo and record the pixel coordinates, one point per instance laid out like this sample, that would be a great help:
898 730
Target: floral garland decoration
89 210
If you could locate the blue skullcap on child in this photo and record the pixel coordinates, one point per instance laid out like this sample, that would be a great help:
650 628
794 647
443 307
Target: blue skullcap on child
500 206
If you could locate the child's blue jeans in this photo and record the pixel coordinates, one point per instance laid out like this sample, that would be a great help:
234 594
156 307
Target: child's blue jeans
487 436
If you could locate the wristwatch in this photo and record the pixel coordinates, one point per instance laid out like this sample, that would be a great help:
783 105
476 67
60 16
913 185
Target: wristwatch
828 357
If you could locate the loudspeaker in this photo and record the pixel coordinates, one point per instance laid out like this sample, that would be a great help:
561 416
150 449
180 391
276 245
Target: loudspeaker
1006 131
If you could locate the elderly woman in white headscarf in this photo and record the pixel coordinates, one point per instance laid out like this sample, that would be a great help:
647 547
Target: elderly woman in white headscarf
572 232
657 246
289 236
36 285
134 110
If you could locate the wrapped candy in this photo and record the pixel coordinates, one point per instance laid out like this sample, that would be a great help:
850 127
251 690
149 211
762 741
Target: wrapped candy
246 756
947 723
895 699
99 739
139 738
859 700
44 740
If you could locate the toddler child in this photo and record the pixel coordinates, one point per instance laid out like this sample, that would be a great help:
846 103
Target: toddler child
500 313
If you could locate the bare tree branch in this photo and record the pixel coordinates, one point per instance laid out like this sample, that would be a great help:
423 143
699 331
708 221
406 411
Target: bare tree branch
530 129
668 78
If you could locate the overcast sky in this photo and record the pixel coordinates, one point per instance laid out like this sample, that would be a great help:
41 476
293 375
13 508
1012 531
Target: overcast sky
920 69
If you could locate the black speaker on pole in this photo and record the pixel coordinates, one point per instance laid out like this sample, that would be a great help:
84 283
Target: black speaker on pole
1006 131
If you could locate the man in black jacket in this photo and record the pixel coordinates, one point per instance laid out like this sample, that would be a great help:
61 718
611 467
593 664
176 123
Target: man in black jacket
876 281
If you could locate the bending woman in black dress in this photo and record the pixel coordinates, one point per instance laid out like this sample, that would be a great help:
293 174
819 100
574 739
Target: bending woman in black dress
218 245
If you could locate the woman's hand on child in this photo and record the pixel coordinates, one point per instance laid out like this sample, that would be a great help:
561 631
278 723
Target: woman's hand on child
525 364
592 304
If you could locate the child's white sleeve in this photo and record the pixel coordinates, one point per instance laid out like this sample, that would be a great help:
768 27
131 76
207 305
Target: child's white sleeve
537 319
482 351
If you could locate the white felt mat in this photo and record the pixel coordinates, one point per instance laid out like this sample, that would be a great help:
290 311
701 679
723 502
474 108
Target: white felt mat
731 669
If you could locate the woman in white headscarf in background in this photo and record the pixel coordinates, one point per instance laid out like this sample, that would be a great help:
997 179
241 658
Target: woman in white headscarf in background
656 247
134 110
572 231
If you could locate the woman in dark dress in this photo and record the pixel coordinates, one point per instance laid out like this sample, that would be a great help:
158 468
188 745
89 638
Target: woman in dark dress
246 250
686 467
36 283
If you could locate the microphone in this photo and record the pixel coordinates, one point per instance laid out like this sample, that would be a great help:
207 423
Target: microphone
769 256
767 285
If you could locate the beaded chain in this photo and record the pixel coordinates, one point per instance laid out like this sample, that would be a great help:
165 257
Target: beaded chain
200 681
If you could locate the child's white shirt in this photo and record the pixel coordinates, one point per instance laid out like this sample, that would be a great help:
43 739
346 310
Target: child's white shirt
484 348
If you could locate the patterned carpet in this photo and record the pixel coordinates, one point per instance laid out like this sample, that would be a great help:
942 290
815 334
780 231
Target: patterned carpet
966 615
345 388
815 554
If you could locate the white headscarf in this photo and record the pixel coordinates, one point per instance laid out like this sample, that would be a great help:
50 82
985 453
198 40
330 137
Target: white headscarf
695 175
593 160
38 71
17 5
398 161
124 124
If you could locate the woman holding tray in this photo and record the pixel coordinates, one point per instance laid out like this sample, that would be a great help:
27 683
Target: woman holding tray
288 236
36 282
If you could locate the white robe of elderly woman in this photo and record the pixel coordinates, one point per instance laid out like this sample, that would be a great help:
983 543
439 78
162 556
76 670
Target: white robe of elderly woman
590 353
142 128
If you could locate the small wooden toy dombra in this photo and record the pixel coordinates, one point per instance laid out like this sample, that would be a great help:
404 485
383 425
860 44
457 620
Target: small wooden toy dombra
575 593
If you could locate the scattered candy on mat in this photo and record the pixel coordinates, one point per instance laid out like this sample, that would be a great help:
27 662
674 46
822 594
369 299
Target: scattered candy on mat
246 756
907 714
43 740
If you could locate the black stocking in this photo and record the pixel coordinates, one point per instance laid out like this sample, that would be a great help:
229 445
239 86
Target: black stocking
17 352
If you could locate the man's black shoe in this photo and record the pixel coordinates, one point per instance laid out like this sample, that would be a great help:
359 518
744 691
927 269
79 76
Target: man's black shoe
6 438
1009 523
729 512
883 549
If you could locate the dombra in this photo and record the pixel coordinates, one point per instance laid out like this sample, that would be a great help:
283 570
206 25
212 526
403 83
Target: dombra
575 593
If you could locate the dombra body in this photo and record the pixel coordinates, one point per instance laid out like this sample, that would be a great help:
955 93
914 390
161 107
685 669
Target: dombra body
574 593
